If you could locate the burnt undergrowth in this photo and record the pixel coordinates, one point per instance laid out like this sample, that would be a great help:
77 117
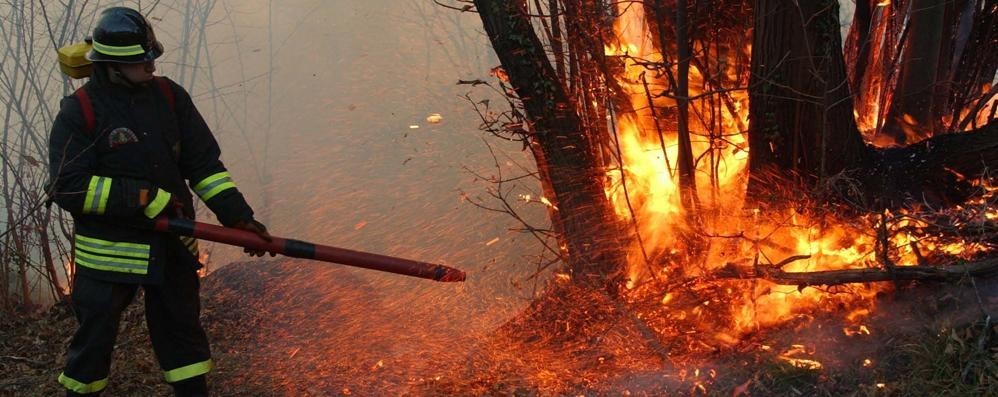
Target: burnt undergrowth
280 329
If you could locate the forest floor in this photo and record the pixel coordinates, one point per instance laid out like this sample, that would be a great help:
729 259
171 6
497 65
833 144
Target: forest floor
926 340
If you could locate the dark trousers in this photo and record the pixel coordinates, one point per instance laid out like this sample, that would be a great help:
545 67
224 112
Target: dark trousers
172 315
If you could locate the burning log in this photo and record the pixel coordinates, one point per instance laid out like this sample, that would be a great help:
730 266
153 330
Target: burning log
775 273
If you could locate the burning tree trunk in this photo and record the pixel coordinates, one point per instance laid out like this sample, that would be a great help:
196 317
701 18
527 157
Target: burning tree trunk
569 155
930 61
911 115
858 44
802 127
802 135
797 148
975 63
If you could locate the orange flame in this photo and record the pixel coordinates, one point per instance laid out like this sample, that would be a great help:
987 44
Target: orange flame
652 199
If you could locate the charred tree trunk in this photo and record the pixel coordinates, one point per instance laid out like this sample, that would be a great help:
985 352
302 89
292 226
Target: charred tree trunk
858 44
976 62
594 252
801 124
802 128
910 117
687 177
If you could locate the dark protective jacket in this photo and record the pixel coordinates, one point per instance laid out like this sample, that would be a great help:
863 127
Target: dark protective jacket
140 142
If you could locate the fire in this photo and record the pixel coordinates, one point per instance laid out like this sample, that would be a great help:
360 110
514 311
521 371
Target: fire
644 189
806 363
856 330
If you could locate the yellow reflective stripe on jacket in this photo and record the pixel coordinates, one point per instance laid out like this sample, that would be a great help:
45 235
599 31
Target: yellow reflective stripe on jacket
80 387
157 204
98 192
111 256
211 186
110 263
188 371
99 246
119 51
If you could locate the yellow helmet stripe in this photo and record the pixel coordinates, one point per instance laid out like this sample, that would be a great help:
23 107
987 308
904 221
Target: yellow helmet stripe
118 51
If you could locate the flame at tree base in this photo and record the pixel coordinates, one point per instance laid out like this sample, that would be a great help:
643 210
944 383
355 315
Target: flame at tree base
681 249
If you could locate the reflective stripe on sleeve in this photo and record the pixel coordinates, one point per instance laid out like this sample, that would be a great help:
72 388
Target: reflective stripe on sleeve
118 51
188 371
213 185
80 387
156 206
98 192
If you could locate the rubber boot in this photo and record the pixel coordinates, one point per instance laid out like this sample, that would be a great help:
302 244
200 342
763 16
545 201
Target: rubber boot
191 387
70 393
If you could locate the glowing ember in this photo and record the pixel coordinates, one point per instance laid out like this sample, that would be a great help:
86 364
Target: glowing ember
806 363
803 363
548 203
856 330
434 118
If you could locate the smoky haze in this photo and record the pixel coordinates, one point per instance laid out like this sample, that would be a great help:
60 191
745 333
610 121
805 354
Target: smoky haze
326 147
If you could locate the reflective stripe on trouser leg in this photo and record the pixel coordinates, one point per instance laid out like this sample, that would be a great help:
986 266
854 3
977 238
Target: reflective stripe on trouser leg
98 306
172 314
188 371
80 387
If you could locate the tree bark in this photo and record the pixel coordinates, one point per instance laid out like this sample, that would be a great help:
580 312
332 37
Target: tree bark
595 253
910 118
801 124
687 177
976 60
858 44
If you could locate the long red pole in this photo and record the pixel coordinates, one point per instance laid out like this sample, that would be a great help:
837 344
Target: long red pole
306 250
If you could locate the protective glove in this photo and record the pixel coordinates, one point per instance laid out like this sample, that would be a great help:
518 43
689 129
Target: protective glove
257 228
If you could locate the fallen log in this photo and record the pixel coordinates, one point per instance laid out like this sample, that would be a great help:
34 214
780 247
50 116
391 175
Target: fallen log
773 273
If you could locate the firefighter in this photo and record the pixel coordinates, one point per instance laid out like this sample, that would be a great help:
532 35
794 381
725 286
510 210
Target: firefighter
122 151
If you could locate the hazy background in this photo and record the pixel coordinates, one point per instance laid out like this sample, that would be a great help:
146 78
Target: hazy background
316 105
320 108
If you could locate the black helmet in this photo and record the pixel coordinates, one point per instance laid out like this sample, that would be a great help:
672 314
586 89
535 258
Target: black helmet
123 35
